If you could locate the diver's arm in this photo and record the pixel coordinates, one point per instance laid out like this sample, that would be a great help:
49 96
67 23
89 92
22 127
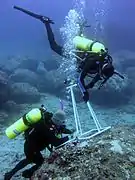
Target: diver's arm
54 46
105 80
102 83
66 131
93 82
54 141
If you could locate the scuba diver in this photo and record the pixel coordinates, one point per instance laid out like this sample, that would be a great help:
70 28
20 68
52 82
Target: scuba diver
92 57
46 133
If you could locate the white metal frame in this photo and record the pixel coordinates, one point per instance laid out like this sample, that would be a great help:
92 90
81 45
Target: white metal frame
89 134
94 132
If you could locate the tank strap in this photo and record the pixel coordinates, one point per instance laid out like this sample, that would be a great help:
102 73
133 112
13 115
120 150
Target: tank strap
92 45
26 121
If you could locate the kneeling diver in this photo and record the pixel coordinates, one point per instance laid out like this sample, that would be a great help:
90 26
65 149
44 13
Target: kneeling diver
47 131
92 57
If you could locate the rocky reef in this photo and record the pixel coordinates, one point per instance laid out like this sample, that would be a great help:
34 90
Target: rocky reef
108 156
24 81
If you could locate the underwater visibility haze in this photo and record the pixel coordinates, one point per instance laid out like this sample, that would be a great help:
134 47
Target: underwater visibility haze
18 30
67 89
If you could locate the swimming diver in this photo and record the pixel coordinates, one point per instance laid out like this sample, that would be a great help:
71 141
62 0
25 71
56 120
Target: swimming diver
48 131
89 63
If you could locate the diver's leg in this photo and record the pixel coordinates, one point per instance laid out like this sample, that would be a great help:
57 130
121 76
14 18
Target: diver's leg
54 46
28 150
38 160
18 167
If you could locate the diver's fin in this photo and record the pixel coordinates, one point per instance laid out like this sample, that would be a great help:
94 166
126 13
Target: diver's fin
28 12
44 19
118 74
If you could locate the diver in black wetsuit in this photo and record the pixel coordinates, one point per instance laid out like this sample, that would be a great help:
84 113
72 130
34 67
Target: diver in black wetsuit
48 131
99 64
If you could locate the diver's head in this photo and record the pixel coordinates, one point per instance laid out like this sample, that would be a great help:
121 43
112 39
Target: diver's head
59 118
107 70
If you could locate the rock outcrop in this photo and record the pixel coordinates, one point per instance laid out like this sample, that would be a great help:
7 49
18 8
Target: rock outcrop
24 93
109 156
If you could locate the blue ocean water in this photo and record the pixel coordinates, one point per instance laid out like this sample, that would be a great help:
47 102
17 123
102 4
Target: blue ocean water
22 35
111 21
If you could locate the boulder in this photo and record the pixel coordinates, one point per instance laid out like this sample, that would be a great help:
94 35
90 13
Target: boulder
52 82
28 63
11 106
4 88
41 71
4 94
11 64
3 78
130 72
124 59
3 117
24 93
24 75
51 64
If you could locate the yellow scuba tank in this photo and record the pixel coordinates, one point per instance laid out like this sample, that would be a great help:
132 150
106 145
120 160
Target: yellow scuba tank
23 123
85 44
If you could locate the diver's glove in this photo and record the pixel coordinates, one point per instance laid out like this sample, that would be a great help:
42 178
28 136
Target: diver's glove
86 96
74 134
102 83
73 131
45 19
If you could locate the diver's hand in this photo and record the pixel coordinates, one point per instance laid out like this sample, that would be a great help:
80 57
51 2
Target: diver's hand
73 131
86 96
74 134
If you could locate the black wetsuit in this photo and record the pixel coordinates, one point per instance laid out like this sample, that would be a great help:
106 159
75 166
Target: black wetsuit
92 62
37 138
